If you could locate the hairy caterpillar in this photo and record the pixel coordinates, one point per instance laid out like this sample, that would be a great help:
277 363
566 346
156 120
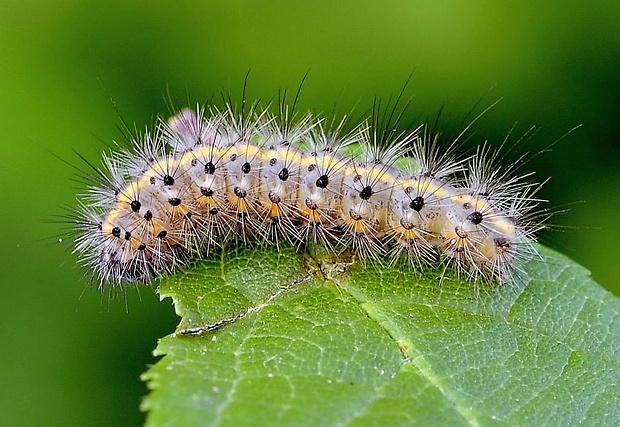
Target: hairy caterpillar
210 175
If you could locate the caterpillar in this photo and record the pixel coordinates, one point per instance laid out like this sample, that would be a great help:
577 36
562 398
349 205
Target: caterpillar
211 175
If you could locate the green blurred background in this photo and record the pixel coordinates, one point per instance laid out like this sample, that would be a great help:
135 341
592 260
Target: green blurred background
68 69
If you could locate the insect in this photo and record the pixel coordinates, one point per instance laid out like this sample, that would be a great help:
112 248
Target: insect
212 175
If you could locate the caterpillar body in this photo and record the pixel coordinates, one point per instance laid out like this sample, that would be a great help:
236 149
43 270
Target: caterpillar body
207 176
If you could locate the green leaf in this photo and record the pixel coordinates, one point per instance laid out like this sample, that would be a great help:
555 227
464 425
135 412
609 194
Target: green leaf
285 340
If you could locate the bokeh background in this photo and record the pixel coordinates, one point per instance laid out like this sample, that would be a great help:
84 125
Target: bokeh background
70 70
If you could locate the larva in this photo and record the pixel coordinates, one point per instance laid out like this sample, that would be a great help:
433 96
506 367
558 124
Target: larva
208 176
